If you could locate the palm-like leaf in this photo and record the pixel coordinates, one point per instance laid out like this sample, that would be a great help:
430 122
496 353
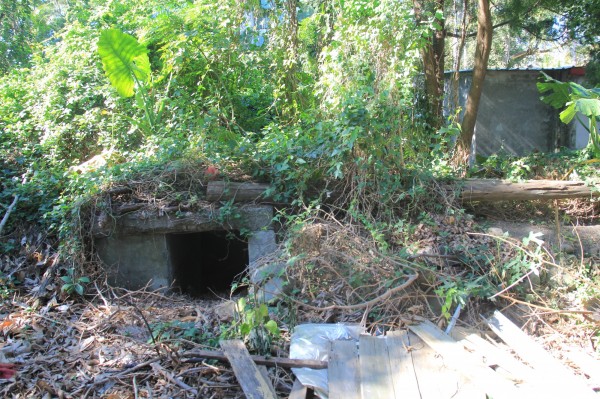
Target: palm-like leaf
124 59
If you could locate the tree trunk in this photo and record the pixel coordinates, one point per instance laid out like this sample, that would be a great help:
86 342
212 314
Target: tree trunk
433 62
290 66
482 54
458 56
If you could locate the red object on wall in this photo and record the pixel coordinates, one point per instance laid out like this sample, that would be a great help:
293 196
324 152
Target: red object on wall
577 71
211 172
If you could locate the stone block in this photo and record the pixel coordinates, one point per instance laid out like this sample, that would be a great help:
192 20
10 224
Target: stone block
260 243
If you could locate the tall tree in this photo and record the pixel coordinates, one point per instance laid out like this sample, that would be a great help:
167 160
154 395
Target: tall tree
482 54
580 20
432 55
15 33
529 16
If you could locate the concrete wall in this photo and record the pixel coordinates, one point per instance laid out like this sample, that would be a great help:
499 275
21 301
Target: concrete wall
512 119
133 261
135 251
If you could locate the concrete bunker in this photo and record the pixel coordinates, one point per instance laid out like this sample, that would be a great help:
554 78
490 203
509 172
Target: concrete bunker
191 252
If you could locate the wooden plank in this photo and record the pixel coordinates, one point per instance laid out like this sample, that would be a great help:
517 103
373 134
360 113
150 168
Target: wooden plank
224 191
495 356
250 378
434 378
344 371
375 372
404 378
197 356
265 373
524 377
298 391
562 380
457 357
587 364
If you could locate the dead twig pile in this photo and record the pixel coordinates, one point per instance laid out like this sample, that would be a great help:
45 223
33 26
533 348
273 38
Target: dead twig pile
131 344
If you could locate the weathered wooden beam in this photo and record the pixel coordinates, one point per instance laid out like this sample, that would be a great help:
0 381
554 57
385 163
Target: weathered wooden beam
239 192
457 357
499 190
197 356
561 380
253 382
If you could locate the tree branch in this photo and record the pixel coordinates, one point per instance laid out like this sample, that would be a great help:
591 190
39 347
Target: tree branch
474 34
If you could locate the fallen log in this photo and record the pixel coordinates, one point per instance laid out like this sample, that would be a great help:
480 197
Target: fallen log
224 191
470 190
501 190
197 356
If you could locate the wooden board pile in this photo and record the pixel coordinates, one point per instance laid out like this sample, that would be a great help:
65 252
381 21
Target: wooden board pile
425 363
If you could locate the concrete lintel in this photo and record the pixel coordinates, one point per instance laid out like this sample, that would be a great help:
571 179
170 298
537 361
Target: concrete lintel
242 217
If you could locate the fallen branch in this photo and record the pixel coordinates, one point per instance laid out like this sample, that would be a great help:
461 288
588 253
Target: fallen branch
10 208
367 304
198 356
119 190
158 369
8 212
126 208
104 379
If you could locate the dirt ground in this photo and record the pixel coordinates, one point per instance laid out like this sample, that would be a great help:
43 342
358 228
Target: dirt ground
570 239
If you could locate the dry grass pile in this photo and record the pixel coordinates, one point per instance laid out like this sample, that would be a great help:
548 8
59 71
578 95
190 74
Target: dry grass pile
338 274
337 271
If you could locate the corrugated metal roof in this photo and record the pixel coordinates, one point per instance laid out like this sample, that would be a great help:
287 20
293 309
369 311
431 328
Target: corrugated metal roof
531 69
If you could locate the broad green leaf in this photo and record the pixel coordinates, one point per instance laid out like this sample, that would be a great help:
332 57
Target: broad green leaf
580 91
241 305
124 59
245 329
271 327
262 312
554 93
568 113
589 107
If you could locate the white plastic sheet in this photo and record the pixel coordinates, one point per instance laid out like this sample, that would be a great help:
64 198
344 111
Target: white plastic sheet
313 341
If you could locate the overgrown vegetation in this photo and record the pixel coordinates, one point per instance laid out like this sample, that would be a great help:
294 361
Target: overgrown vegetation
138 106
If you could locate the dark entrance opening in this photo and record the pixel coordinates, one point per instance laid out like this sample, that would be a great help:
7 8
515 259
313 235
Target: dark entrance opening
207 262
